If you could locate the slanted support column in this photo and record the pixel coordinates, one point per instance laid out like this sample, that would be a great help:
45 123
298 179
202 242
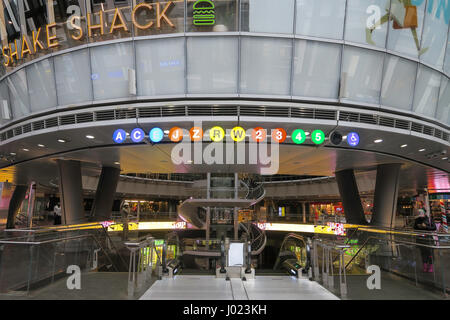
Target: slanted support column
386 192
70 187
104 196
348 189
14 205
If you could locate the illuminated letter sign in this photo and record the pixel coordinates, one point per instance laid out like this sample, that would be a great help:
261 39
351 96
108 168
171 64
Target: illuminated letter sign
353 139
216 134
238 134
298 136
196 133
258 134
318 136
279 135
175 134
119 136
204 13
137 135
156 135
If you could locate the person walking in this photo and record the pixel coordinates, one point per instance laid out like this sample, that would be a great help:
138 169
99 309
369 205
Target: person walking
57 214
425 223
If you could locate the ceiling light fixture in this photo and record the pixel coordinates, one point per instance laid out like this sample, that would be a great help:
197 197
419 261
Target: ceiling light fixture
378 140
421 150
13 153
61 140
90 136
41 145
403 145
25 149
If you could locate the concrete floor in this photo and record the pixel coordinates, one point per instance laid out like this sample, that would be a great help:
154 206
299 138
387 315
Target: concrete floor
205 287
94 286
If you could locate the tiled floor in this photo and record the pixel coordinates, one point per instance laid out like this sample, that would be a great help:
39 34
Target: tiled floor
190 287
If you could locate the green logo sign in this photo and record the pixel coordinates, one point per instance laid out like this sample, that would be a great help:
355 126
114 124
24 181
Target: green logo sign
318 136
298 136
204 13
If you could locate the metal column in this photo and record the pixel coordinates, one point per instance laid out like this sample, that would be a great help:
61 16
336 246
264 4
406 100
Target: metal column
14 205
348 189
386 192
104 196
70 186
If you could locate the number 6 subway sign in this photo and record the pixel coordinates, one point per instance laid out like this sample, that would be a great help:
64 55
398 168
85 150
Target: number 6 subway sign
100 23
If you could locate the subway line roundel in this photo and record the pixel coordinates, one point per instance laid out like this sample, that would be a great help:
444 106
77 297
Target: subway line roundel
237 134
119 136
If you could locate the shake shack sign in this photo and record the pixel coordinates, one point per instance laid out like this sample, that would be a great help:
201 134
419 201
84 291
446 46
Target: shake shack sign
158 16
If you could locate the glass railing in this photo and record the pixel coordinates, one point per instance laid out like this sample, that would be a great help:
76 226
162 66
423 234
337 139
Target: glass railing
386 264
36 257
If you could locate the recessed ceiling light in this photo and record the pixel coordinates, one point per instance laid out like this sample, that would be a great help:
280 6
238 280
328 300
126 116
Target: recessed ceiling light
421 150
117 162
61 140
90 136
13 153
444 158
306 133
344 137
25 149
378 140
166 131
403 145
40 145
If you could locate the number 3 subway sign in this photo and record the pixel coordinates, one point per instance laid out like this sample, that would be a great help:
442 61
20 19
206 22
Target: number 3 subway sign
96 24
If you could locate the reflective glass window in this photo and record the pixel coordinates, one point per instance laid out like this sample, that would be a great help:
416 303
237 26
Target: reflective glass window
265 65
70 19
268 16
5 108
406 22
112 65
320 18
212 64
160 66
41 85
447 58
361 74
443 110
366 21
148 22
116 18
434 38
399 77
73 77
316 69
212 16
427 91
18 93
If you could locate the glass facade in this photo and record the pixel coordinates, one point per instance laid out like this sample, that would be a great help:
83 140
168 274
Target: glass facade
387 53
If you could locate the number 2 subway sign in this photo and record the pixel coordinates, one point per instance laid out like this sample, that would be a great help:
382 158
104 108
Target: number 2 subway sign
143 16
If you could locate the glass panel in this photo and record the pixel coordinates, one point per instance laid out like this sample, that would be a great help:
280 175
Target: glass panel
434 38
265 65
426 92
117 11
216 16
443 110
406 26
268 16
160 67
366 21
111 66
18 92
447 58
41 85
399 77
320 18
146 17
361 74
5 108
316 69
73 77
213 65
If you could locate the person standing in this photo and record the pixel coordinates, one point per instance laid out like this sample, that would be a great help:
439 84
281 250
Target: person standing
57 214
425 223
